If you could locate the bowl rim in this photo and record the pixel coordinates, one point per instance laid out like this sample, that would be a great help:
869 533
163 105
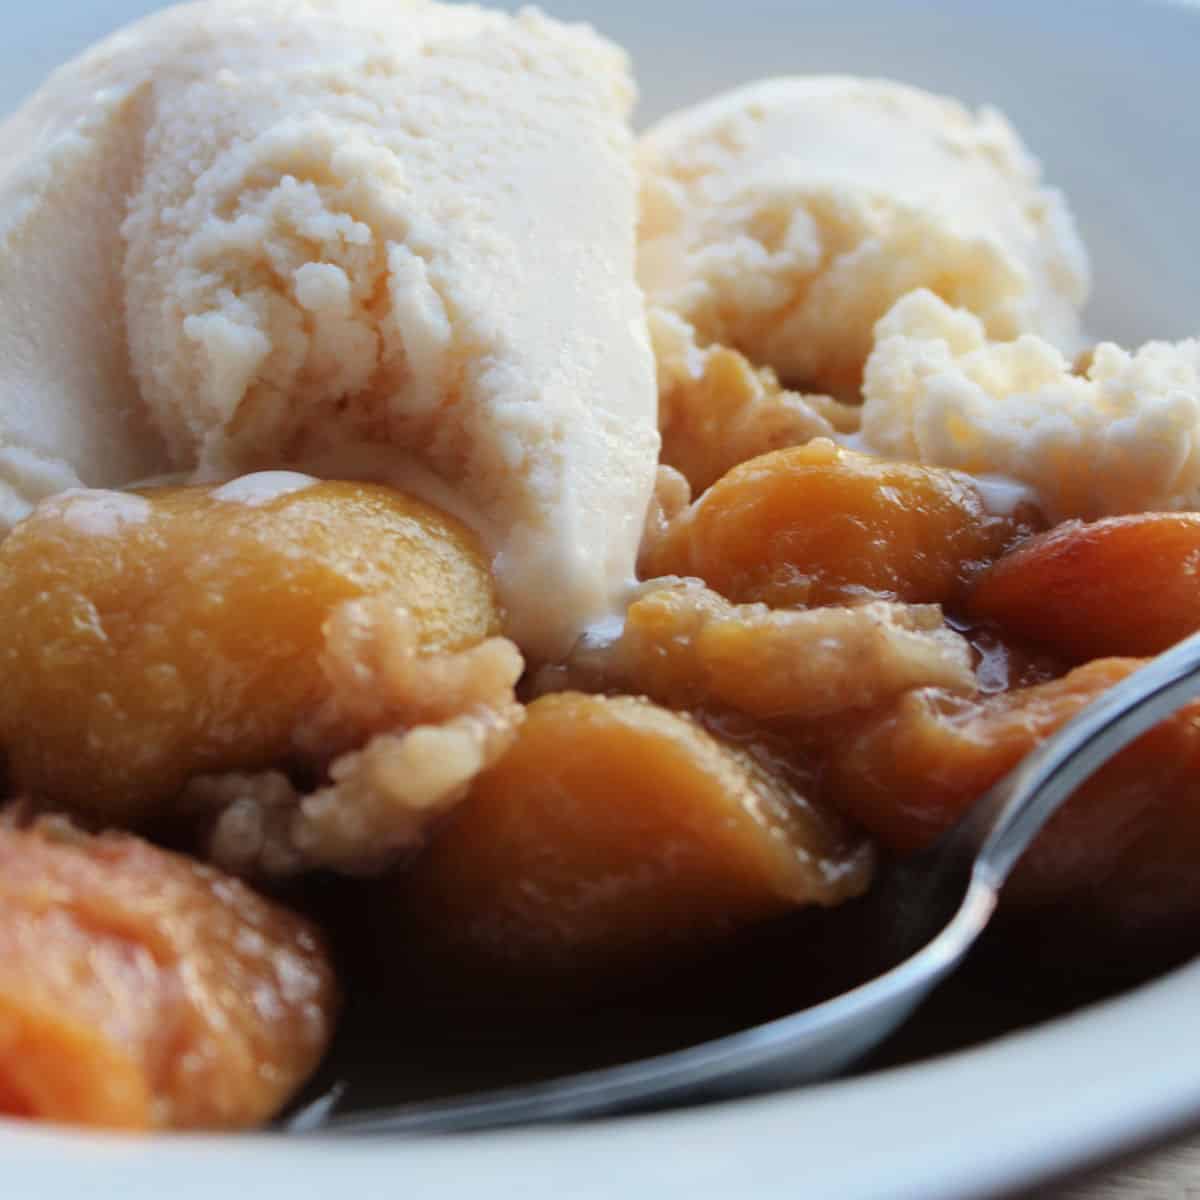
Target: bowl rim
1043 1102
1040 1103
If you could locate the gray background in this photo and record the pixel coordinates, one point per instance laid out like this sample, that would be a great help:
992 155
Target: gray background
1106 91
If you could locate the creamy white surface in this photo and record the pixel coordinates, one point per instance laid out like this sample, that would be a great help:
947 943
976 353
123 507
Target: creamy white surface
27 475
262 487
304 229
1122 437
785 217
98 512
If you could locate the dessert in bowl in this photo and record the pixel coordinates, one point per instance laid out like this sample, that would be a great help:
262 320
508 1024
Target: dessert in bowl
582 549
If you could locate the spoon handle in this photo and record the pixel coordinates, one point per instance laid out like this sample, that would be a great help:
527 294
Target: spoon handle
1001 825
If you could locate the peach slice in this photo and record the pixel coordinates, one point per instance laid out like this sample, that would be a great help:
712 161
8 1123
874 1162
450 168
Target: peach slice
729 412
819 524
148 638
140 990
1126 846
613 835
1122 586
686 646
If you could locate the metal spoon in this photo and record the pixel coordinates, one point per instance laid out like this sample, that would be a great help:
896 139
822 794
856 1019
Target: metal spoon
916 925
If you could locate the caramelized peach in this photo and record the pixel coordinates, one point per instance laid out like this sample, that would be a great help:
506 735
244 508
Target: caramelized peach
686 646
1123 586
1127 845
139 990
728 413
151 637
613 833
819 524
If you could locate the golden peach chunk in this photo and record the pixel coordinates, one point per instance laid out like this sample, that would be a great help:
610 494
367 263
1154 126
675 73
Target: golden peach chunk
140 990
728 413
151 637
1122 586
686 646
612 835
1127 846
819 524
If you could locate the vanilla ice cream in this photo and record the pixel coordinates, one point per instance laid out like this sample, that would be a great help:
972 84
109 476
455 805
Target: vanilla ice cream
1122 436
783 219
389 238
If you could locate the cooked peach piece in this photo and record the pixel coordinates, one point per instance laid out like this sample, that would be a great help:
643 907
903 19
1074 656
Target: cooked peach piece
1123 586
686 646
140 990
148 638
1127 845
613 833
728 413
819 524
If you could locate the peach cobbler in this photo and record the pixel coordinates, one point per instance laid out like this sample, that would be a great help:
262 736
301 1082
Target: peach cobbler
568 551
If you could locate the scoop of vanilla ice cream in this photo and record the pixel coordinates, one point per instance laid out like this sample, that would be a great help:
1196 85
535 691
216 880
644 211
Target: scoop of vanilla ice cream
384 238
1121 437
69 408
786 217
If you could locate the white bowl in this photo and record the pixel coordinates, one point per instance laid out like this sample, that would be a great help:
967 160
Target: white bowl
1108 94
